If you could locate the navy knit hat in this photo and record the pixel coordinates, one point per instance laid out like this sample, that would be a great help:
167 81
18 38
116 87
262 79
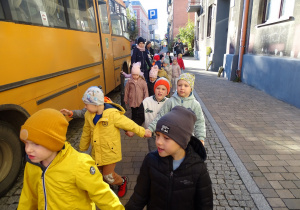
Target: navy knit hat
141 39
178 124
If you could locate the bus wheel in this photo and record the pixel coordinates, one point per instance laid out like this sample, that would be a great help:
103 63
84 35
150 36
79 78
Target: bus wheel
10 156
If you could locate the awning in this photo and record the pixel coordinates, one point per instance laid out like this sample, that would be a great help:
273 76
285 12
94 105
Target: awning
194 8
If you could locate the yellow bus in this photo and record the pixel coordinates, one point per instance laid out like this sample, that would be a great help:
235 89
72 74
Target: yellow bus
51 51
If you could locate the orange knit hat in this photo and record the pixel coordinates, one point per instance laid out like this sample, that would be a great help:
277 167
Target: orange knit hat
46 127
162 81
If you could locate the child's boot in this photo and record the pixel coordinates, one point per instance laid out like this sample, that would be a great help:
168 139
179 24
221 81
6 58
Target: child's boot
123 188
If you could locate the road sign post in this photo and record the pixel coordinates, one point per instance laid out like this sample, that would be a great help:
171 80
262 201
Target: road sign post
152 16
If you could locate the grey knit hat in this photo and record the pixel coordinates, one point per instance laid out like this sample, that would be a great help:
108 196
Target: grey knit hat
93 95
178 124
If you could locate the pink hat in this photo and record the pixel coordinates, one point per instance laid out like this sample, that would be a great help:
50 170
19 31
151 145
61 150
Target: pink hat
136 68
153 72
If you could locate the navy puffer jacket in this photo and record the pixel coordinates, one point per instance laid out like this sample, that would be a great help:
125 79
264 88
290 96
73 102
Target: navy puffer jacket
161 188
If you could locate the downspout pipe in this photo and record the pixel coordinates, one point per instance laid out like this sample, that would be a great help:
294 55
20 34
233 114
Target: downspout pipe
243 37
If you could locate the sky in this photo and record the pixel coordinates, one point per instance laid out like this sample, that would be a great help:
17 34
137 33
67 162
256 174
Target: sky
161 6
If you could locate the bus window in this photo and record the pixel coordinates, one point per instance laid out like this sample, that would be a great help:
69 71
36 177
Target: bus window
125 26
81 15
112 7
103 17
116 24
47 13
1 12
124 19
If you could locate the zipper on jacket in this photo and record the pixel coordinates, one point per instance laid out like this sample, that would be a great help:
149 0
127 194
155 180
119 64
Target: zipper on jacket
142 64
170 190
44 187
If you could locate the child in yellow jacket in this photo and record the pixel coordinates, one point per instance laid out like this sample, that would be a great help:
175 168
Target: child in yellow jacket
103 122
56 176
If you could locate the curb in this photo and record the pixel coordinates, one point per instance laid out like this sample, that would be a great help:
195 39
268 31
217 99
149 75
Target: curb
258 198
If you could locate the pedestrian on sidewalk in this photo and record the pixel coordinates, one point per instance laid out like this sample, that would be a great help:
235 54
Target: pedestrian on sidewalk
56 176
140 55
180 63
157 61
136 90
178 46
101 129
148 110
176 71
79 113
158 64
168 57
175 176
167 66
152 79
184 97
149 50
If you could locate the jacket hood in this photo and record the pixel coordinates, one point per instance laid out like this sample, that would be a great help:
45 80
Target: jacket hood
115 107
198 147
177 97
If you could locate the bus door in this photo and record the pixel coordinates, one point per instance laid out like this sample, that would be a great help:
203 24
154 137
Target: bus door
107 49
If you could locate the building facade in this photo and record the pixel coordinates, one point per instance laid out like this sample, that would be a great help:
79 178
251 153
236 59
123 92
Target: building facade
177 17
141 18
255 41
271 58
211 24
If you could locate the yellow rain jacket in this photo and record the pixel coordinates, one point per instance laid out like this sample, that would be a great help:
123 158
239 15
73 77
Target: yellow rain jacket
71 181
105 135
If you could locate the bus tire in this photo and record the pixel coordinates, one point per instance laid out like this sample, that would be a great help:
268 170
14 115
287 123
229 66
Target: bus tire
11 156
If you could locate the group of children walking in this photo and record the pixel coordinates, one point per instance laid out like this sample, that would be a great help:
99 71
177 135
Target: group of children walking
173 175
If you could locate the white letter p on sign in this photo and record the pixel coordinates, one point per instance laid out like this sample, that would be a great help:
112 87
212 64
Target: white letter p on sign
152 14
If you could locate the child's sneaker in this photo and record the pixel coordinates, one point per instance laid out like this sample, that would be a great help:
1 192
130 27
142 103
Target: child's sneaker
123 188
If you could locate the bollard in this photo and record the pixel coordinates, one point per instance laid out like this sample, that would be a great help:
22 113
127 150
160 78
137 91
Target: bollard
123 91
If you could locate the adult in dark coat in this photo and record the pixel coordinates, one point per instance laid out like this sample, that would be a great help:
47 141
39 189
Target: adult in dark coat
160 187
149 49
140 55
178 47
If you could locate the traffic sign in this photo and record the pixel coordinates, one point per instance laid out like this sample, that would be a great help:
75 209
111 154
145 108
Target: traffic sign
152 14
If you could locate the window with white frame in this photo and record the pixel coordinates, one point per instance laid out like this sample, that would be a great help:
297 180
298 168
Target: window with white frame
277 9
209 20
202 26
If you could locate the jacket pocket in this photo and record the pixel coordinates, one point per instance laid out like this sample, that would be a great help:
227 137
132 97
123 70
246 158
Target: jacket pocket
112 147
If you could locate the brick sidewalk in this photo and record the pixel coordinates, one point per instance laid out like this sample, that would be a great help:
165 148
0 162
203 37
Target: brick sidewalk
263 131
252 141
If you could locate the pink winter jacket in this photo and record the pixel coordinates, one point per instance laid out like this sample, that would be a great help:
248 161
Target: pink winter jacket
175 70
135 92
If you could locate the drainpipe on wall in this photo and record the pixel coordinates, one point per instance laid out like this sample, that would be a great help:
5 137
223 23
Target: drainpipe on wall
243 37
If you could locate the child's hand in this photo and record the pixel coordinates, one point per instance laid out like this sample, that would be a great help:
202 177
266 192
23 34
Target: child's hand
129 133
202 141
66 112
148 133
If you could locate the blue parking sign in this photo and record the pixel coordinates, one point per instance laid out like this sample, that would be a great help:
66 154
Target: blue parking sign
152 14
